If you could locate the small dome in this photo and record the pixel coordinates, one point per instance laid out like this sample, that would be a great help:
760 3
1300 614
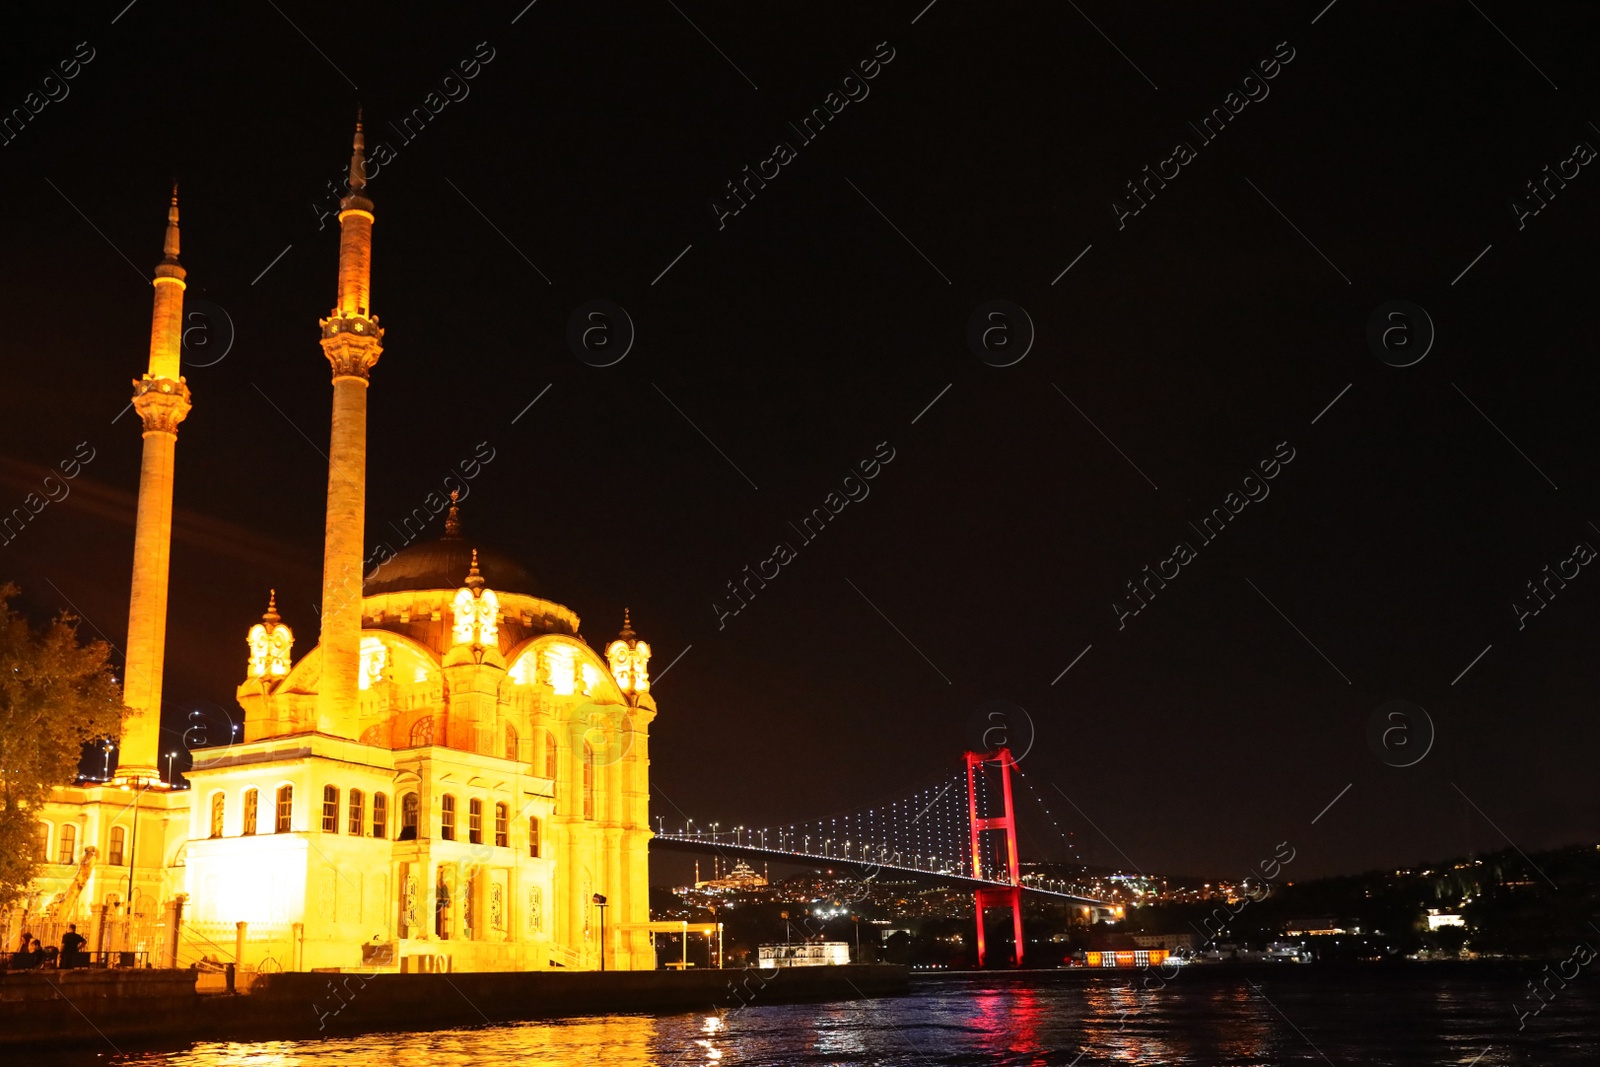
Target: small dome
444 564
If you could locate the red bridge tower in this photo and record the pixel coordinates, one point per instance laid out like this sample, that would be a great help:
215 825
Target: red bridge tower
1011 895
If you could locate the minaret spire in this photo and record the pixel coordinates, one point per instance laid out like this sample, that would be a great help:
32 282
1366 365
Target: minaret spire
162 399
170 246
358 160
352 340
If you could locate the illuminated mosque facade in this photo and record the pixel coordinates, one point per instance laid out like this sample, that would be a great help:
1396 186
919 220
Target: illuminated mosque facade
451 779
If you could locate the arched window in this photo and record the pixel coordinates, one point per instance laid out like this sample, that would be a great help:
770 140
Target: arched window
447 817
533 836
502 826
252 805
422 732
330 809
410 815
512 752
67 845
550 754
588 780
114 853
219 803
285 820
475 821
358 813
41 842
441 906
380 815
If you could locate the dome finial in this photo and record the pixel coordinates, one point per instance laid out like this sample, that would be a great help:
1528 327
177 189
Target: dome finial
452 521
272 617
627 626
474 579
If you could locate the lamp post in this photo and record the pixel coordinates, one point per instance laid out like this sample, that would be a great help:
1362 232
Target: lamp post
170 757
107 775
139 786
600 902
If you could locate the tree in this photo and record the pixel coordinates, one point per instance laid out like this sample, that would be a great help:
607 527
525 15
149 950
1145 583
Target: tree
56 695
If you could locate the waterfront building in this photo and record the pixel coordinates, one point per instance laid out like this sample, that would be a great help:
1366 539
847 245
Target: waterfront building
450 779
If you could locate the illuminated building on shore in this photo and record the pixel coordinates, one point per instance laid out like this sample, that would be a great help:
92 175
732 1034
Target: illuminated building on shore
742 877
450 779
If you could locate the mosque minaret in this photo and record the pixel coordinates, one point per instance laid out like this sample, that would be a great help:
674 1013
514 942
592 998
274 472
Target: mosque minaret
161 398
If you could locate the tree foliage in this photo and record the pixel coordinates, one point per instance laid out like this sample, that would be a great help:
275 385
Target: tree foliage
56 695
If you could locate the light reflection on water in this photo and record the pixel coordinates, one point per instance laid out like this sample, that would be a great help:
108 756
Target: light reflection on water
1368 1018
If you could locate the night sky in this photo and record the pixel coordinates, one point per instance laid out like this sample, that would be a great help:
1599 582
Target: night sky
1192 340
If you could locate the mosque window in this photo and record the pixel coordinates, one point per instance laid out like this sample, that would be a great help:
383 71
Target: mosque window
502 826
285 820
252 805
380 815
410 815
218 807
588 780
330 809
67 846
533 836
358 812
511 742
447 817
475 821
441 906
114 853
41 842
550 754
422 732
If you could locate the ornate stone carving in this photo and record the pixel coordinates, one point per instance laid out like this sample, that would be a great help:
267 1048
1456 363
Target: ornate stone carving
477 619
535 908
161 402
374 659
408 906
630 659
352 345
271 643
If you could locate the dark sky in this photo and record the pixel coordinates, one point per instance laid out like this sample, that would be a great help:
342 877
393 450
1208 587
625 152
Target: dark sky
822 320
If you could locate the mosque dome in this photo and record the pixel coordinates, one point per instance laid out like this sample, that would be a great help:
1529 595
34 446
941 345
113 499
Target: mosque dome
443 564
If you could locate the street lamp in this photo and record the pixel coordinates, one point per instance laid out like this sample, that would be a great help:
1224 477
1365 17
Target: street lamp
140 786
600 902
109 746
170 757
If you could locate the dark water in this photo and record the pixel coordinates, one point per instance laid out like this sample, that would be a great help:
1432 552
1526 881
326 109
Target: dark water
1294 1015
